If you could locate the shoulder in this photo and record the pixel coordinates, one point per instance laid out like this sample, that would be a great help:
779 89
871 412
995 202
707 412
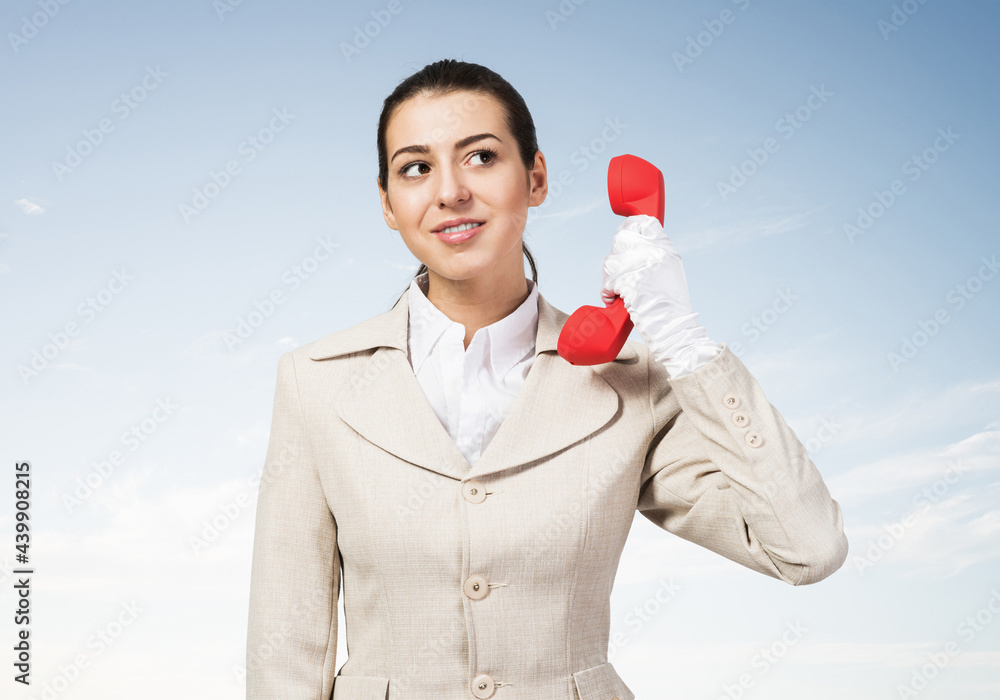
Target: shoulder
385 329
334 356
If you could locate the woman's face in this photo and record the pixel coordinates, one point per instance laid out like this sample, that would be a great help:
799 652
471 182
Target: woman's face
442 169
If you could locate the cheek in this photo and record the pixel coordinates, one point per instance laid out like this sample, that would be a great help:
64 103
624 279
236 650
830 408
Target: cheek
409 212
510 205
515 213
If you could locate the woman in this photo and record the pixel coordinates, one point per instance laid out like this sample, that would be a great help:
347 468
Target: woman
475 510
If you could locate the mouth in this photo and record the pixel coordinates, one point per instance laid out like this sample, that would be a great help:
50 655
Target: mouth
459 232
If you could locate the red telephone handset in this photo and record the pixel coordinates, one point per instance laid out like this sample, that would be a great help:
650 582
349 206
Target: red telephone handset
593 335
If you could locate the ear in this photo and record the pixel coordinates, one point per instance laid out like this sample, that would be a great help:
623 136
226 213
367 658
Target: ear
538 182
390 218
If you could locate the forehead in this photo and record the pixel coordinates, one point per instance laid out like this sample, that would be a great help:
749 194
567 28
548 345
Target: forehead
437 121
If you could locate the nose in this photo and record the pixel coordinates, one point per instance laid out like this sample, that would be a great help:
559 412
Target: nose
452 190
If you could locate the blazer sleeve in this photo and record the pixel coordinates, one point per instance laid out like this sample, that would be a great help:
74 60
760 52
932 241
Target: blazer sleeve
295 574
724 470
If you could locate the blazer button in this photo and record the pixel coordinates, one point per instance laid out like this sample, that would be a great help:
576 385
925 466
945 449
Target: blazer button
482 686
473 491
753 439
740 419
731 401
476 588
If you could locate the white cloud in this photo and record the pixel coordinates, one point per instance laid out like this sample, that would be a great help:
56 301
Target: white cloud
29 207
936 540
122 534
979 452
950 521
914 413
816 669
571 213
739 233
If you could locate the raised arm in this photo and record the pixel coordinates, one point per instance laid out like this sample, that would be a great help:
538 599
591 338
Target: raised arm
725 471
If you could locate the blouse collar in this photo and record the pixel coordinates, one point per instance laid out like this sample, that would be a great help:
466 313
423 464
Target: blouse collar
510 339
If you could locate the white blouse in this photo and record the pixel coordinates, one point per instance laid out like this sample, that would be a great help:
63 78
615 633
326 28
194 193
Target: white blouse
472 390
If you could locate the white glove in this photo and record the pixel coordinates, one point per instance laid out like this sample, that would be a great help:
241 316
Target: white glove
645 270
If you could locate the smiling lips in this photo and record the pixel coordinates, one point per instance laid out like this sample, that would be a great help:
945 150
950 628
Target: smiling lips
460 233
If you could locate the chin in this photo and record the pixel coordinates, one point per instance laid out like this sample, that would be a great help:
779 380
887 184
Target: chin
458 271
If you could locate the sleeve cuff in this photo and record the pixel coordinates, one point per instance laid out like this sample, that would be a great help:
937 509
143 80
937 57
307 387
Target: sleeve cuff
690 358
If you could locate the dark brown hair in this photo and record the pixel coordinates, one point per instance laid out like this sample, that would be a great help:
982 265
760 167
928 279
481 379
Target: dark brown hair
448 76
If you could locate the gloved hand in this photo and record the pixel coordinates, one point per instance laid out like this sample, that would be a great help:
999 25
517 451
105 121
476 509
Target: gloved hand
645 270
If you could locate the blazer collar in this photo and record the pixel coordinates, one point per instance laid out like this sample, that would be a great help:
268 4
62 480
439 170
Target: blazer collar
558 405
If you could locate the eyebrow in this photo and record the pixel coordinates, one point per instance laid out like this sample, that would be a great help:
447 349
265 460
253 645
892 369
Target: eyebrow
468 140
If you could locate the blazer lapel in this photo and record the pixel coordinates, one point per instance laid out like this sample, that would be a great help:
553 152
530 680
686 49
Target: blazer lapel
558 405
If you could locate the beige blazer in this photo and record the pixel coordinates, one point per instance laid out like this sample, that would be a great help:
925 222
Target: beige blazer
493 580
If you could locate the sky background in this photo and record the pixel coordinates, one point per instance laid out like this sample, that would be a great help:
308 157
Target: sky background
909 446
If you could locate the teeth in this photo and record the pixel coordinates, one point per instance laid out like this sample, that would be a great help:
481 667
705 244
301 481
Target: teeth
456 229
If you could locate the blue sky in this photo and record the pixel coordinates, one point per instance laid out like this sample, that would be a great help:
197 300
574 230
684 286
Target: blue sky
850 112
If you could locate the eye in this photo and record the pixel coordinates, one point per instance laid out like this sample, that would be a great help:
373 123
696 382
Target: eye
405 168
489 153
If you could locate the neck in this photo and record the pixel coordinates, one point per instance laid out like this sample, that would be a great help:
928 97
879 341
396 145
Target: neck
478 302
